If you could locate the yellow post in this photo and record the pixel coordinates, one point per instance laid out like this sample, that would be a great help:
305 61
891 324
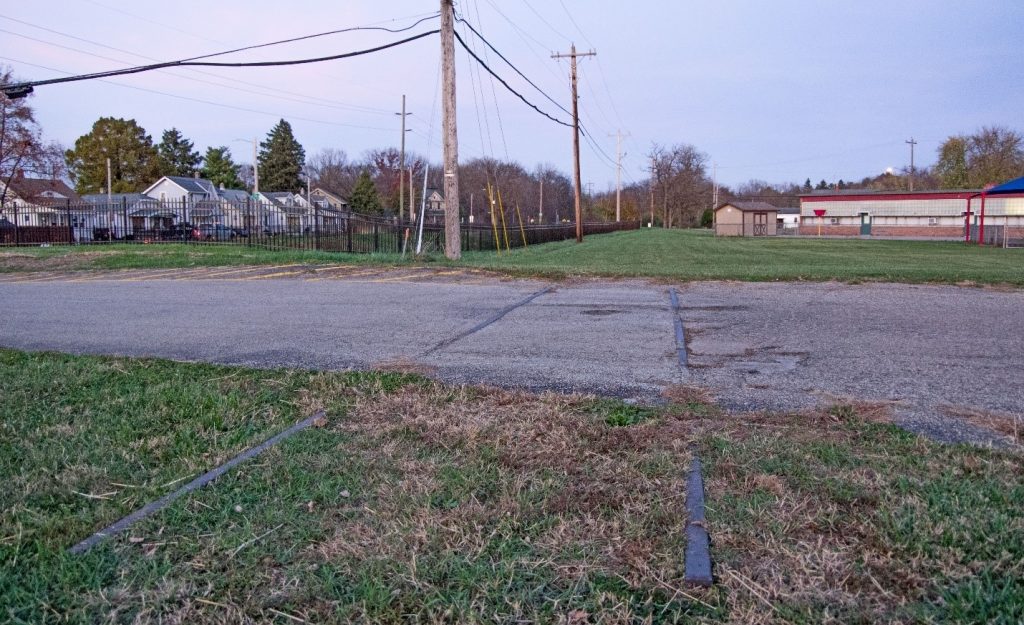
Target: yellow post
504 227
522 229
494 223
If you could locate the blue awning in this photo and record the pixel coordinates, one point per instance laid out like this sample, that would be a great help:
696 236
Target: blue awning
1013 186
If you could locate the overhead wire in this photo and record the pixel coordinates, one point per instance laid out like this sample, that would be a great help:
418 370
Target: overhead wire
505 84
337 103
186 63
199 80
201 101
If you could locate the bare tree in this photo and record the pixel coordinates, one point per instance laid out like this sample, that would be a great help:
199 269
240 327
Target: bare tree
331 170
680 177
21 148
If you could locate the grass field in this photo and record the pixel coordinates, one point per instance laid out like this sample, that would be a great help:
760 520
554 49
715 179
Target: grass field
418 502
678 255
684 255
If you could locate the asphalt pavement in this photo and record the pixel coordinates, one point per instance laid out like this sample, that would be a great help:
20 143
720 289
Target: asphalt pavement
927 351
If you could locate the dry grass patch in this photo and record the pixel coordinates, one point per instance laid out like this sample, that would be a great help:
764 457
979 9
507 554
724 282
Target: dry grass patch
1008 425
836 516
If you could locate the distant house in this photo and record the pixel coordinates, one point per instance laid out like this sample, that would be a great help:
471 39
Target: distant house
788 219
121 211
435 207
322 198
746 219
284 211
44 202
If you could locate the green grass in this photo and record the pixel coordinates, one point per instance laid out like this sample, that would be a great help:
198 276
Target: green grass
170 256
677 255
419 502
683 255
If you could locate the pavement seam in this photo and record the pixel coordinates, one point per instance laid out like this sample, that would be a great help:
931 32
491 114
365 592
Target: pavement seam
698 543
680 331
199 482
486 322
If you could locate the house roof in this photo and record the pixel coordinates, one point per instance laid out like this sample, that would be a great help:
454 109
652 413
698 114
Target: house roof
101 198
328 194
189 185
42 190
786 210
754 207
233 195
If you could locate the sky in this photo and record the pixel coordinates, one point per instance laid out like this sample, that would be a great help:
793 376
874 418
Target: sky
779 90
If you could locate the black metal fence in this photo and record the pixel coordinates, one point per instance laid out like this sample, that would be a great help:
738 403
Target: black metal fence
290 225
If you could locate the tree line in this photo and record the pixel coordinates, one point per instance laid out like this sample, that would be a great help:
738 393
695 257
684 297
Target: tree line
677 193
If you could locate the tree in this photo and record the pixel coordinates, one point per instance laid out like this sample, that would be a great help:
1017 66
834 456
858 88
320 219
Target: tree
281 160
134 161
952 165
808 187
330 170
822 186
364 198
177 156
680 174
994 154
220 169
21 147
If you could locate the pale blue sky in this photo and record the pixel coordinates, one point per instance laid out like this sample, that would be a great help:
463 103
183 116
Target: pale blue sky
778 91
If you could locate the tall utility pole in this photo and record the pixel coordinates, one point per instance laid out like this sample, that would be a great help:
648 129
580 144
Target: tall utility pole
618 173
577 184
401 167
452 229
911 143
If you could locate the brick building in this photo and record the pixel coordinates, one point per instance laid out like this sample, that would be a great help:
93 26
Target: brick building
937 214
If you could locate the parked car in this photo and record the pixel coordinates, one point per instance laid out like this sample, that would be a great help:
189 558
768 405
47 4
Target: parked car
240 232
216 232
101 234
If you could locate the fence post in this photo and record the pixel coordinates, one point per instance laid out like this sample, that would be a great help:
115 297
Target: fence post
316 224
124 217
375 241
17 232
348 231
71 229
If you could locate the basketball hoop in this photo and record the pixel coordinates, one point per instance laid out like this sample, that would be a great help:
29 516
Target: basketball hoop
820 214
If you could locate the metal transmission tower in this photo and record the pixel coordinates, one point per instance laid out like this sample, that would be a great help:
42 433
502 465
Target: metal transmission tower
577 185
452 228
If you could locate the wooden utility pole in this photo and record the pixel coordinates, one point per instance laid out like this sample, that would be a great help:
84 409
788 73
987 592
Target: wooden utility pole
577 184
452 229
401 167
618 173
911 143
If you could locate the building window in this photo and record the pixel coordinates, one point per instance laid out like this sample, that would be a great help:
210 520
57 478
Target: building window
933 221
834 221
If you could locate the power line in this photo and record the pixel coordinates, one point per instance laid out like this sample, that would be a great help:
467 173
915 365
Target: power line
192 78
187 63
510 64
201 101
336 103
505 84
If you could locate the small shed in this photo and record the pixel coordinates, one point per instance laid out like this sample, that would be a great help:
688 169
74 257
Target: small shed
746 219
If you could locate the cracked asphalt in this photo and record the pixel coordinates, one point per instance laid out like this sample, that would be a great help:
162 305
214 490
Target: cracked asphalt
930 352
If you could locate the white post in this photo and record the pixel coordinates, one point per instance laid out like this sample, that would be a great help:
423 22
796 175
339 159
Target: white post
423 210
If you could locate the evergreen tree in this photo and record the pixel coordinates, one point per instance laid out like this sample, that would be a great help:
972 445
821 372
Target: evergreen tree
219 169
807 186
822 186
281 160
134 161
177 156
364 199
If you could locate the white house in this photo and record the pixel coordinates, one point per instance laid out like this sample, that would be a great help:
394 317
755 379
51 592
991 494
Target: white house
42 202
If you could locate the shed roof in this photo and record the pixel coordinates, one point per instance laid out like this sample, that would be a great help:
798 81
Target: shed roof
752 207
